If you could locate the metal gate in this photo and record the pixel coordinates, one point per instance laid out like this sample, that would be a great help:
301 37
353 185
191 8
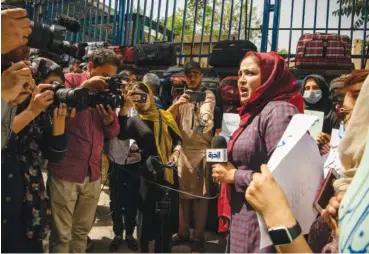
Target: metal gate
196 25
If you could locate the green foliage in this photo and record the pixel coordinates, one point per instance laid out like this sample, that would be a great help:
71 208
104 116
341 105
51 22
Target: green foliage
282 51
358 9
217 26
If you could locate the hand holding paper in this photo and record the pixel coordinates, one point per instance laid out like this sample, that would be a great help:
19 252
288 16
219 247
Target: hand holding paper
296 166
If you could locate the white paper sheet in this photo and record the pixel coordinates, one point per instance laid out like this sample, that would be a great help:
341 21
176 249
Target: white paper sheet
230 123
333 160
296 165
317 126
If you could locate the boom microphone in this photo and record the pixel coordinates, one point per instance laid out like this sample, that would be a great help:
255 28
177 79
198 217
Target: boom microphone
218 151
69 23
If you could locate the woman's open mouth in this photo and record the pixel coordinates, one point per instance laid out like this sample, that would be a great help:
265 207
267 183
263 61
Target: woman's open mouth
244 92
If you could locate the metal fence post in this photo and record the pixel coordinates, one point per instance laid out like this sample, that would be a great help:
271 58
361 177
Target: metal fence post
121 22
275 32
265 27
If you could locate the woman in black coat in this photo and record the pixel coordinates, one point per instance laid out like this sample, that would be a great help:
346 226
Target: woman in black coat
157 133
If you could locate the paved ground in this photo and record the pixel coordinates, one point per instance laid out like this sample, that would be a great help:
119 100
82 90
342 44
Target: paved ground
102 232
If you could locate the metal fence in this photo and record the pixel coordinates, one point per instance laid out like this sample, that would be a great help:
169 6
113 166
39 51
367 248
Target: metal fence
196 25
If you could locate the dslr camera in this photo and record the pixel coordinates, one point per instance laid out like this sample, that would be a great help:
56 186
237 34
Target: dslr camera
81 98
77 98
112 96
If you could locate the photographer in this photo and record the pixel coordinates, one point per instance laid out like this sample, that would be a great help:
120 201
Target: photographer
74 182
195 120
36 135
157 133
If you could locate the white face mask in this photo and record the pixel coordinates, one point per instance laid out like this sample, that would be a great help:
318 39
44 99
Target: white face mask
313 96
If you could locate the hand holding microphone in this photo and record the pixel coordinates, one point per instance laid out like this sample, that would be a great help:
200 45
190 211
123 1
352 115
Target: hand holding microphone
222 170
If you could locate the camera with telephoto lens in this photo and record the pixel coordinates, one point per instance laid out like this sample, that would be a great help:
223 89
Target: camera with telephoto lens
112 96
77 98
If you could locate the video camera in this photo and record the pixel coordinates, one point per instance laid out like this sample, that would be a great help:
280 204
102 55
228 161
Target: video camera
52 37
112 96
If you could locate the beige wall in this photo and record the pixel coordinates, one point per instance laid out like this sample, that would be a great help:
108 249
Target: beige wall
187 43
357 46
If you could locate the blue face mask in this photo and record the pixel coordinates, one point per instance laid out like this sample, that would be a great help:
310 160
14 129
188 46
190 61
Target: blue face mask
313 96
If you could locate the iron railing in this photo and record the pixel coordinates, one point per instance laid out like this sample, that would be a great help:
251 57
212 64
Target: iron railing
194 23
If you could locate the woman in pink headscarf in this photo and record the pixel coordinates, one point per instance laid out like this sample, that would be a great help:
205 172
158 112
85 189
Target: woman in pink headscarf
269 96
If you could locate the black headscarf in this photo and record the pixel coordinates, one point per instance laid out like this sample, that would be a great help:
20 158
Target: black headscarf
324 104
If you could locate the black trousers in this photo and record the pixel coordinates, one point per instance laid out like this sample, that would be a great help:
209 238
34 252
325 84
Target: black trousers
124 184
159 218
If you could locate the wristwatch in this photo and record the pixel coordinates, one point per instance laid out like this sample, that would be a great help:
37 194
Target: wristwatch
283 235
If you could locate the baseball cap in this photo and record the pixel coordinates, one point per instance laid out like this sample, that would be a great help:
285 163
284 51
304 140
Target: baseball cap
192 65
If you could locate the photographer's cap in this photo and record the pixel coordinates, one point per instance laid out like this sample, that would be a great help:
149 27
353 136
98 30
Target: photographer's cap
192 65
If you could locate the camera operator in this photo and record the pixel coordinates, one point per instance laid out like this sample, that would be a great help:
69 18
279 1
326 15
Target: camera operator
36 135
15 28
74 183
195 120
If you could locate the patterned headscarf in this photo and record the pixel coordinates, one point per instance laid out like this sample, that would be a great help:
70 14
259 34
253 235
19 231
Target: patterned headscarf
43 67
